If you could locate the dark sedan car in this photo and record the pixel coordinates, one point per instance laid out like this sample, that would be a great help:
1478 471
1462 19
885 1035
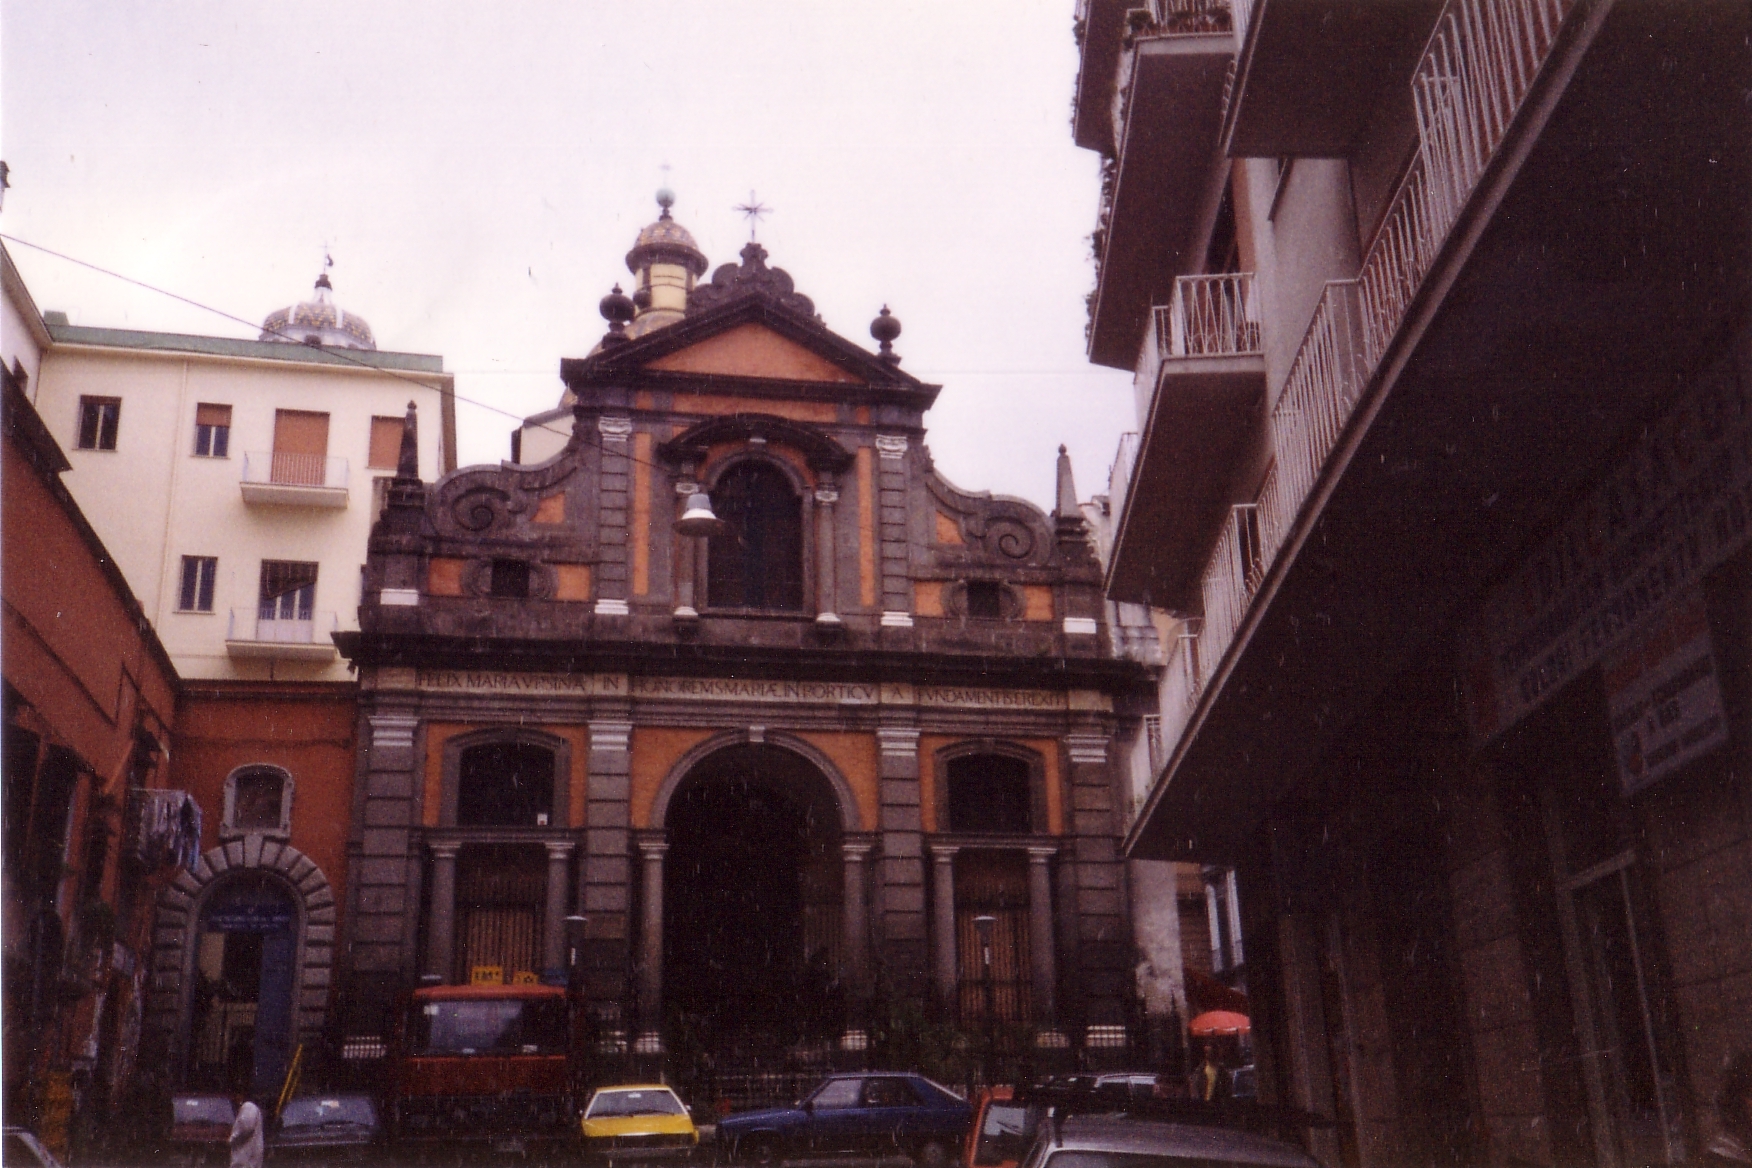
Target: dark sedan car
327 1129
866 1113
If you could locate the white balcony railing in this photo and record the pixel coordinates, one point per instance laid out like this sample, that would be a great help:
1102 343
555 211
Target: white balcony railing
1476 71
278 468
1242 13
1188 17
1209 316
250 633
1119 475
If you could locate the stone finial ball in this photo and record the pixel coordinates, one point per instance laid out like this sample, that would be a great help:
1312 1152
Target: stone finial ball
885 327
616 307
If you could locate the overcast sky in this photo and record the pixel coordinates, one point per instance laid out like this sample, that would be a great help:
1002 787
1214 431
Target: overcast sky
480 170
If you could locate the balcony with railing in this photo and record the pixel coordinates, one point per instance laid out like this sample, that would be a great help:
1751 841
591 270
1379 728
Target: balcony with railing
294 480
1165 107
301 635
1205 376
1311 72
1480 63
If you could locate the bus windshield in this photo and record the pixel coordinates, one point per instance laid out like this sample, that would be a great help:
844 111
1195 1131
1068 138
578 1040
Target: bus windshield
498 1026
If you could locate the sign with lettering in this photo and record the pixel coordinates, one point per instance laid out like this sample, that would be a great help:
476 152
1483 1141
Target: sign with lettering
493 681
1663 698
1677 505
733 689
968 697
486 975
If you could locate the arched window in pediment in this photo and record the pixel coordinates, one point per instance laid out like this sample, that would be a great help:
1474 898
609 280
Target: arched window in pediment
756 561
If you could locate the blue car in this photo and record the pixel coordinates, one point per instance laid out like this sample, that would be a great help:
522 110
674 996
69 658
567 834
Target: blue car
870 1112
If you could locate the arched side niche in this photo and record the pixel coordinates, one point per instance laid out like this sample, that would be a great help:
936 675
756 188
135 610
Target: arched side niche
258 800
180 904
850 818
1029 763
511 738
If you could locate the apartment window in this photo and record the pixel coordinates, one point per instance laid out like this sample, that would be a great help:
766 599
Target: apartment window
288 591
985 598
212 430
300 448
198 573
98 419
385 443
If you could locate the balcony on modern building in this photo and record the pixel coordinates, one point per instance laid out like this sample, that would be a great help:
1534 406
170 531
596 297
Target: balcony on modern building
1312 73
1205 377
294 480
1565 253
306 636
1163 85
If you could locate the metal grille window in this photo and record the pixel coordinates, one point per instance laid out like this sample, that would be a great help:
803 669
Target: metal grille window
198 574
99 419
288 591
212 430
757 561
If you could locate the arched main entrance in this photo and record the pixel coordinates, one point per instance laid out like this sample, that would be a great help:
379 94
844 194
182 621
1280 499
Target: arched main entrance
752 928
245 980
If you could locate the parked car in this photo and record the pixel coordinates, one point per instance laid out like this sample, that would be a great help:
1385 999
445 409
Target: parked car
21 1149
200 1129
1112 1141
640 1121
1003 1129
327 1129
873 1112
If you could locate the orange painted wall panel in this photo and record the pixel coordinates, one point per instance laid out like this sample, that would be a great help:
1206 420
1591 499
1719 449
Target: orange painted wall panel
856 756
656 750
753 350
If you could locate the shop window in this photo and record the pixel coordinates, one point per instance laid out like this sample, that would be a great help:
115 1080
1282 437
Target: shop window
99 419
212 430
989 793
198 574
505 784
258 801
757 560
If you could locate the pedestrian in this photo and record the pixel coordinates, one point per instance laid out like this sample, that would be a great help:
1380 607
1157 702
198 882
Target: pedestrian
246 1137
1733 1144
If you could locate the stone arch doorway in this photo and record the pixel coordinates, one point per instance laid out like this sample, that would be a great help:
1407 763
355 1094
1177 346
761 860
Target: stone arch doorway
753 892
242 1013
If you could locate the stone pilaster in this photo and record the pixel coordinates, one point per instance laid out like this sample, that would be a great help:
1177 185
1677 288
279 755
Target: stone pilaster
903 936
605 875
892 545
826 588
441 914
855 920
1100 944
613 492
384 885
1042 963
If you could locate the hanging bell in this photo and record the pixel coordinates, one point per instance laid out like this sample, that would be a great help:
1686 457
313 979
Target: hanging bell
698 517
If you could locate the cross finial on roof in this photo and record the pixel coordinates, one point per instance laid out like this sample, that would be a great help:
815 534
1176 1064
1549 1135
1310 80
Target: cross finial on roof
752 211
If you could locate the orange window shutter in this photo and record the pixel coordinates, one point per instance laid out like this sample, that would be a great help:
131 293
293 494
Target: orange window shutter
385 442
300 432
207 414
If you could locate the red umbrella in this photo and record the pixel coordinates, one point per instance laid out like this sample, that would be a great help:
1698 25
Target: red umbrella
1214 1022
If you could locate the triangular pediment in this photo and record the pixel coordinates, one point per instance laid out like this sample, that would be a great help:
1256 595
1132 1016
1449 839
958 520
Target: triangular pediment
753 350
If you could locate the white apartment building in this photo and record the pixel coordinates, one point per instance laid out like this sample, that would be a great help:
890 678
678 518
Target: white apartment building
236 481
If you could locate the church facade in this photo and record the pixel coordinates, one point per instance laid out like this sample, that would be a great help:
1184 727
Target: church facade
800 729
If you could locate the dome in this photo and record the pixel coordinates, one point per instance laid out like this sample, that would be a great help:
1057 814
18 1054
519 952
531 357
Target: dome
319 321
666 242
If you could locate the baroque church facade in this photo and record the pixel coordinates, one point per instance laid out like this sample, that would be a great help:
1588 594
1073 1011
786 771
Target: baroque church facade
723 666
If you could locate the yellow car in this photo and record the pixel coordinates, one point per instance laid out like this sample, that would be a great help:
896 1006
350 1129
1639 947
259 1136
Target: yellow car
642 1121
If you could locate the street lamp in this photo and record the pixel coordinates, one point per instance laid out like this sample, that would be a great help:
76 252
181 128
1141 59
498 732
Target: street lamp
983 926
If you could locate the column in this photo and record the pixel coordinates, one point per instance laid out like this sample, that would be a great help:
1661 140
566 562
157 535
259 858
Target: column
441 920
853 921
826 495
651 944
943 925
553 927
612 512
902 919
893 544
1041 963
605 874
686 548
